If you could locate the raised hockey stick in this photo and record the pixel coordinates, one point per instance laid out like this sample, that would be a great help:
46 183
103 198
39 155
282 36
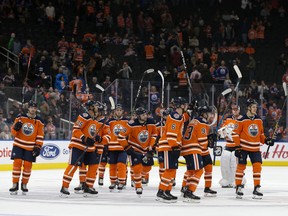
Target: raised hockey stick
162 98
278 119
140 86
184 62
217 149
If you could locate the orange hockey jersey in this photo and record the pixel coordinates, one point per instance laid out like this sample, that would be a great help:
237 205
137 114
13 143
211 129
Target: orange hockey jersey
31 133
250 133
232 123
140 137
116 126
86 126
195 137
173 132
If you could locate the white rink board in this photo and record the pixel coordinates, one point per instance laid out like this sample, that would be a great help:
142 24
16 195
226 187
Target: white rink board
55 151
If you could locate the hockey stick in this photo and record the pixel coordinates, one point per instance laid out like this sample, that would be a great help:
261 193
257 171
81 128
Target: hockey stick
85 77
278 119
216 148
227 91
28 66
184 62
140 86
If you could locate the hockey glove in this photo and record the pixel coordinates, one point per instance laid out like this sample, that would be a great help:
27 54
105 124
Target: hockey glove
87 141
36 150
269 141
148 156
98 138
212 140
129 150
18 126
238 153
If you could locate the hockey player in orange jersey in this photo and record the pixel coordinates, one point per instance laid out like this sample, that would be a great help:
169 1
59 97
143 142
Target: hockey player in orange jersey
228 161
141 136
196 138
86 146
160 130
170 144
117 156
101 169
250 135
28 132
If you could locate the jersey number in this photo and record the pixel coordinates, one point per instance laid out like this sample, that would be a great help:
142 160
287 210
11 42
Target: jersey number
188 132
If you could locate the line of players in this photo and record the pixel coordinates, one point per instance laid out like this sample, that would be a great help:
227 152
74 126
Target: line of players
182 131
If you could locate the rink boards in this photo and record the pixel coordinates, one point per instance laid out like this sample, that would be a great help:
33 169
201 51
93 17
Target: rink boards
55 154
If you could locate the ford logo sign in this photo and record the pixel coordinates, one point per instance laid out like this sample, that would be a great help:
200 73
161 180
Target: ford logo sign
50 151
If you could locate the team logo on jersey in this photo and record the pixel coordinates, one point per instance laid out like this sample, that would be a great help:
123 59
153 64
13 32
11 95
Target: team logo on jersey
28 129
50 151
117 129
143 136
92 130
231 125
253 130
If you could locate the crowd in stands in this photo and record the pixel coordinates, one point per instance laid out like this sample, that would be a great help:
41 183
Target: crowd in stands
100 41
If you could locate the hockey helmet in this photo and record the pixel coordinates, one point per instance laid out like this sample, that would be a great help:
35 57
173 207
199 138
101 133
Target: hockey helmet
119 106
235 107
204 109
90 103
32 104
140 110
250 102
178 101
193 105
167 111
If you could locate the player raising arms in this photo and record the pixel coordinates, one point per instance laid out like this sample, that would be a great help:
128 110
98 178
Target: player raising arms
28 130
86 146
250 135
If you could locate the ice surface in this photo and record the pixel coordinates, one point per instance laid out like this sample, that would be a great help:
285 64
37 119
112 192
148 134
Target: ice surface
44 186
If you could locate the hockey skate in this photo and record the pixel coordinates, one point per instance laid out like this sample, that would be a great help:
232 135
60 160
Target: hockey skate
183 190
139 191
145 182
14 189
112 187
256 192
24 189
173 198
162 197
209 193
90 191
239 192
120 187
100 181
132 183
64 192
190 197
80 188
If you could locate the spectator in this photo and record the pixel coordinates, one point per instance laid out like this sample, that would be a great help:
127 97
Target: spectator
50 12
6 133
125 72
50 129
251 67
9 78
